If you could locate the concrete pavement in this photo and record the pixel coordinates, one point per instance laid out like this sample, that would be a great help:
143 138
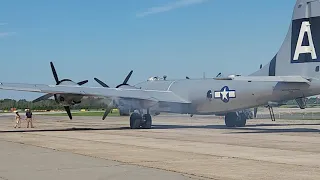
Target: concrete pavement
20 161
200 147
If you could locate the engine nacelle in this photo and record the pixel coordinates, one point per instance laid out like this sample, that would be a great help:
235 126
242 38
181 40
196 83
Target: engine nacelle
68 99
126 86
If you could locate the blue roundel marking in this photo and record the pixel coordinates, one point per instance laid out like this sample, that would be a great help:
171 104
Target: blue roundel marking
225 94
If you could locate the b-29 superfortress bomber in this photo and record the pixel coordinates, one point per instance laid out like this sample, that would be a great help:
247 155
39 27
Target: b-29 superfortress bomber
293 73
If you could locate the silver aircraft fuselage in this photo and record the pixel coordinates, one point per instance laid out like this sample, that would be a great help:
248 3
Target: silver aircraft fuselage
211 96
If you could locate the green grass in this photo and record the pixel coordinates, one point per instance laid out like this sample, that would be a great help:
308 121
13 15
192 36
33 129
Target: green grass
87 113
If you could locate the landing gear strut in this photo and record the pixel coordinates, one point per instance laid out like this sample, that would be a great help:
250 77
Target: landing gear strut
271 113
140 121
235 119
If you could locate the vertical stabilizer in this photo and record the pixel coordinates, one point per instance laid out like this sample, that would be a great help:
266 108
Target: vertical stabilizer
300 51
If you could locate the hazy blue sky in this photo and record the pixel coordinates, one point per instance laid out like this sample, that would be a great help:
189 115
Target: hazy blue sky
108 38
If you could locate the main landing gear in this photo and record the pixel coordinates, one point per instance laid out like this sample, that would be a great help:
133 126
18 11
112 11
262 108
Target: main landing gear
235 119
137 120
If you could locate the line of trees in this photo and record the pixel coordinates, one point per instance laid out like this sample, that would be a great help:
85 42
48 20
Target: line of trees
50 104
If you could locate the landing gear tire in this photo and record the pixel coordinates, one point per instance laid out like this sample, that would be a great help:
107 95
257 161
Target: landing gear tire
135 121
241 121
230 119
235 119
148 121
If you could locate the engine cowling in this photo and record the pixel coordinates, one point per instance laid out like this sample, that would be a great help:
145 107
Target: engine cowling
68 99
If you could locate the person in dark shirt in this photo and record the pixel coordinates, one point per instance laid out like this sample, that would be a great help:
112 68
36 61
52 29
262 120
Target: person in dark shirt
29 118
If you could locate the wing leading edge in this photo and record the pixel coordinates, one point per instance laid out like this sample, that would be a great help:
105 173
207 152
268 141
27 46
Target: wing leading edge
140 94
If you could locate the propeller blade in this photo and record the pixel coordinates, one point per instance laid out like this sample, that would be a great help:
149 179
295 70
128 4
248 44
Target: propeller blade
44 97
255 111
128 77
110 106
67 108
101 83
260 66
106 113
55 98
54 72
82 82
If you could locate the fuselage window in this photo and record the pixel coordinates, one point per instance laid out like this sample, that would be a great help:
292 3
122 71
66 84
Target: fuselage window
317 69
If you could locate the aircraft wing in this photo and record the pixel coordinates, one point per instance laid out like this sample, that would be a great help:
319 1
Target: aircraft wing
151 95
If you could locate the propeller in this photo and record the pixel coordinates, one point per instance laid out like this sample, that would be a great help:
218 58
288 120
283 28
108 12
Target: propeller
112 104
56 78
44 97
125 82
67 108
101 83
82 82
54 72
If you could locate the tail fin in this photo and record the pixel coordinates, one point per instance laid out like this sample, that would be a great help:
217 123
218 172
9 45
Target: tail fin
300 51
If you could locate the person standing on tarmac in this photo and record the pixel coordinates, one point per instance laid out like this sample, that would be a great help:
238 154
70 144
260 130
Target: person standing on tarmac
18 120
29 118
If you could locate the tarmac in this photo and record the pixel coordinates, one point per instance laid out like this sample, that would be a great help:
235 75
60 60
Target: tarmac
177 147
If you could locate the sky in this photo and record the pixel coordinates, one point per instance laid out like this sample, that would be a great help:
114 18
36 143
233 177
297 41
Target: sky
107 39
